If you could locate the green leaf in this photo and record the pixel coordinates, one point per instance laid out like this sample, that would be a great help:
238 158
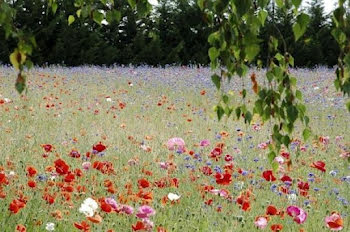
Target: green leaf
296 3
98 17
220 112
238 112
78 13
242 6
275 166
54 7
280 3
252 51
213 53
20 83
299 95
132 3
271 156
71 19
292 113
286 140
200 3
225 99
306 133
216 80
300 26
262 16
17 58
248 117
348 105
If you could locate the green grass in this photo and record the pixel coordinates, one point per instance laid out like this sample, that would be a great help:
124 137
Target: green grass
72 123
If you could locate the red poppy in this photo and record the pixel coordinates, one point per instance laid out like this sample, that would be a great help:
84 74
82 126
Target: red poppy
272 210
31 171
139 226
286 178
268 175
49 198
69 177
74 154
208 202
78 172
285 154
82 226
320 165
216 153
244 200
143 183
95 219
106 207
223 179
3 179
276 227
62 167
174 182
104 167
47 147
21 228
303 188
31 183
207 171
99 147
16 205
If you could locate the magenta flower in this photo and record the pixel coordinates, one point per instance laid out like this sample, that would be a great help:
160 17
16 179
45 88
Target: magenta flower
298 214
112 203
204 143
128 209
145 211
178 143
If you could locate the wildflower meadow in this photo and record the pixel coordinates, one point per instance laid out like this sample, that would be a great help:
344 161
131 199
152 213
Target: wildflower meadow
141 149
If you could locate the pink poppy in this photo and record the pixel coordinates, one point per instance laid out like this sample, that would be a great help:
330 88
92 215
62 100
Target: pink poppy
334 222
178 143
204 143
145 212
260 222
298 214
128 209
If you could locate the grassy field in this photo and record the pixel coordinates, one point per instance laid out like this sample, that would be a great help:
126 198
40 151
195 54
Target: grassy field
134 112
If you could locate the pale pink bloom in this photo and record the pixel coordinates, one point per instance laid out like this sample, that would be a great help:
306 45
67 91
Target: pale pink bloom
256 127
339 138
145 212
204 143
148 224
298 214
86 165
178 143
164 165
262 145
334 222
279 159
260 222
324 140
345 155
132 162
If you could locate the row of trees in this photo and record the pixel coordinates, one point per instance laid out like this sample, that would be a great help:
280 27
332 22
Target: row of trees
175 33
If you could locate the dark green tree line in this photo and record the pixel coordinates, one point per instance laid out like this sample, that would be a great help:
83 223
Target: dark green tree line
176 32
